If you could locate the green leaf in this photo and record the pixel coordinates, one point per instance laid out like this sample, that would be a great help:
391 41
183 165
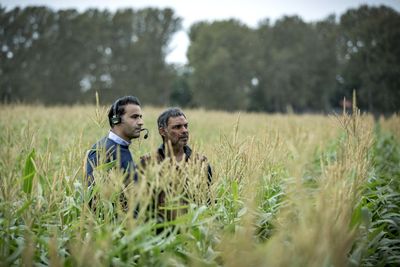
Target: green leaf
235 191
24 207
198 212
29 173
106 166
356 217
44 182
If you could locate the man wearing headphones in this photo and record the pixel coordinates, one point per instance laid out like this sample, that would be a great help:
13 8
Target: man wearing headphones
125 119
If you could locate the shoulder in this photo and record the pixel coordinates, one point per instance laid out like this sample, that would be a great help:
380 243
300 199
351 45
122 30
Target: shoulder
100 144
103 143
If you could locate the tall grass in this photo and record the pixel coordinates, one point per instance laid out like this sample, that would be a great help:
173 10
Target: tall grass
286 190
379 243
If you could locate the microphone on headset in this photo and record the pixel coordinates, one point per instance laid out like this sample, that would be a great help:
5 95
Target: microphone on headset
146 134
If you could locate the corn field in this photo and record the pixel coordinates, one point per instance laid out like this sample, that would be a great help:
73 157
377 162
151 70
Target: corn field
287 190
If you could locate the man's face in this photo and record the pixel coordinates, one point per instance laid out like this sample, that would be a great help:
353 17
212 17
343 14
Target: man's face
177 131
131 122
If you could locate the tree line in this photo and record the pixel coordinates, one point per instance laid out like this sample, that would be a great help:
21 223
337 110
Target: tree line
64 56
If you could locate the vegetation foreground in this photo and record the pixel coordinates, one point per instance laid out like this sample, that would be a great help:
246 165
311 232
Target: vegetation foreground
287 190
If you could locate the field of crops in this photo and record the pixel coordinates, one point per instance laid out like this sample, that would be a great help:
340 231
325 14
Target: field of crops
287 190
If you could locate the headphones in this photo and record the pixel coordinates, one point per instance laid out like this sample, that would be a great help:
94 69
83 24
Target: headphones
115 119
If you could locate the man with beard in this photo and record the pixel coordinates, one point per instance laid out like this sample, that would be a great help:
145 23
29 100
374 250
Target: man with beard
125 119
174 131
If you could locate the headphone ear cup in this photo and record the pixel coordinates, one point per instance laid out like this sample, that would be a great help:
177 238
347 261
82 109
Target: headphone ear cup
115 120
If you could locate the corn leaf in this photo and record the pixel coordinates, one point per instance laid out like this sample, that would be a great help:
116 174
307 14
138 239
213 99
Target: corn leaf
29 173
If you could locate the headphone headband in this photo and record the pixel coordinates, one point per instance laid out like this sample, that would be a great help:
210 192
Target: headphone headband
116 119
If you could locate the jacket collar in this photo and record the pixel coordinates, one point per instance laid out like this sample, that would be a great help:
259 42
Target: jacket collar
117 139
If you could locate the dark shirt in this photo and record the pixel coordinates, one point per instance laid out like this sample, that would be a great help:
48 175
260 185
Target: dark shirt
108 151
160 197
188 153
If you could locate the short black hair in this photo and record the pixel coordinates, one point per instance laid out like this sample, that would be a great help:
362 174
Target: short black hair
162 121
118 107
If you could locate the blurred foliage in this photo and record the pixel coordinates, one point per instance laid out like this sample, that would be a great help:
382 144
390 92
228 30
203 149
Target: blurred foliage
379 243
64 56
296 66
370 50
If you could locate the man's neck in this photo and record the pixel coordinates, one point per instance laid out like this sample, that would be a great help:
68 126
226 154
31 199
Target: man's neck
179 154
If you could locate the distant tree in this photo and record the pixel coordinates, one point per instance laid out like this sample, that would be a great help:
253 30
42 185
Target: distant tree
25 65
221 57
262 61
324 69
139 48
62 57
370 56
297 65
181 94
279 63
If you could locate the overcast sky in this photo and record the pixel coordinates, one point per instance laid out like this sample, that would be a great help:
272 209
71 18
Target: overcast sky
247 11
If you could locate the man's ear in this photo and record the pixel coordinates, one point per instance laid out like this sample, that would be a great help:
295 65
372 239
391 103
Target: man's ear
161 131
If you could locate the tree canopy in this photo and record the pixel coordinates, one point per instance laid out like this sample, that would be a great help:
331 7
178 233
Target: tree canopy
294 65
64 56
